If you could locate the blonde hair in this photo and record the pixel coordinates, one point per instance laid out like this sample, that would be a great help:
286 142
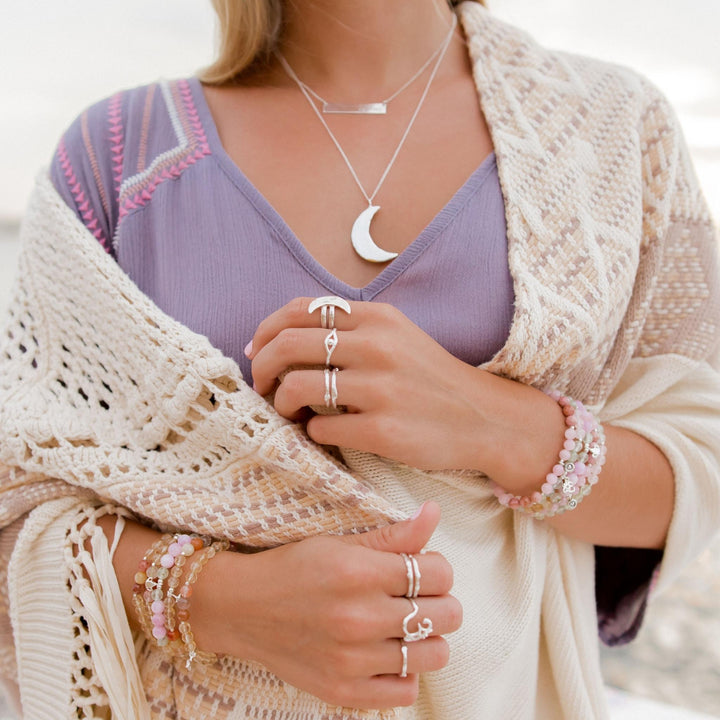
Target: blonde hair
248 34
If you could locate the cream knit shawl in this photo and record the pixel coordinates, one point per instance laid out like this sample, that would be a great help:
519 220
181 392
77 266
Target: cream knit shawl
108 404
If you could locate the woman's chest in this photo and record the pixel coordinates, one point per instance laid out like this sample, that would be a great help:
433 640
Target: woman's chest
411 172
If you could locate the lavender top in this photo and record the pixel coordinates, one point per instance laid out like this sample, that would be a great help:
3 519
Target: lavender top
146 172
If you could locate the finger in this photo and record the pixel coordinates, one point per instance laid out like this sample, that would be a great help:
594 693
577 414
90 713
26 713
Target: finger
436 575
357 390
386 657
367 427
295 314
423 656
380 692
301 347
443 614
404 536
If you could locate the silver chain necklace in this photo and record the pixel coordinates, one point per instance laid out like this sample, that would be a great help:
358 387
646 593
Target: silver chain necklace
362 242
371 108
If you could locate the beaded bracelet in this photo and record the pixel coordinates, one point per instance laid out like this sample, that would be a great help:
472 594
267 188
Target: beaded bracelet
145 588
183 604
577 470
157 611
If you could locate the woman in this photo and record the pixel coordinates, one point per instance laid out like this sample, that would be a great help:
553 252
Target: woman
558 232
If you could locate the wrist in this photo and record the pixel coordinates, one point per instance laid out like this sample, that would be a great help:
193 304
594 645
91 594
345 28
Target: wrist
216 605
525 433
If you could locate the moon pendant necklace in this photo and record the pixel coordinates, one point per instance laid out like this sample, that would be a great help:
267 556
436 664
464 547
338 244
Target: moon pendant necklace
362 241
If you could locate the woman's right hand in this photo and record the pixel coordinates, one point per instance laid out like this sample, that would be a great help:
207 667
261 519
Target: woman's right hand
325 614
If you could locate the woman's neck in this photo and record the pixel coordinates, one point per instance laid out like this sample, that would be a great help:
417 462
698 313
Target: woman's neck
357 50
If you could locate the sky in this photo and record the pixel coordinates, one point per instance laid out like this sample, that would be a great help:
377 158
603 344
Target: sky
58 57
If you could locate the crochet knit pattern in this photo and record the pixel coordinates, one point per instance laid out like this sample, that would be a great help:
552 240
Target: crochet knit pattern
108 405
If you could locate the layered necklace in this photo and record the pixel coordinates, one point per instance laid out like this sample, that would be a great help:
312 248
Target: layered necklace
362 241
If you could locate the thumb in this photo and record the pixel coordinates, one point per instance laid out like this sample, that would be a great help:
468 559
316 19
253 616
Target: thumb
408 536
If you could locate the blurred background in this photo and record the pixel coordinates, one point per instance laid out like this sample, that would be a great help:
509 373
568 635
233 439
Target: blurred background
58 57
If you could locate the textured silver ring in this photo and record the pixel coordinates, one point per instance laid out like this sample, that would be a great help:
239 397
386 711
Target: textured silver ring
331 341
425 627
412 571
409 573
327 387
327 305
416 576
404 651
333 389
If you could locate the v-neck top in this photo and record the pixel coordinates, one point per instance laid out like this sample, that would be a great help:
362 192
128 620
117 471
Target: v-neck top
146 171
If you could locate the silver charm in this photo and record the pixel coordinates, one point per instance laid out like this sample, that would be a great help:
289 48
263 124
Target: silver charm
362 241
424 628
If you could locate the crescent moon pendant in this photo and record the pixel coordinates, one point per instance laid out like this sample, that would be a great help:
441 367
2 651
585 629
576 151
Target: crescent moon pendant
363 243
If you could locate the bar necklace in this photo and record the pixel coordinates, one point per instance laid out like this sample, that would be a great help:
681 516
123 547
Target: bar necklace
362 241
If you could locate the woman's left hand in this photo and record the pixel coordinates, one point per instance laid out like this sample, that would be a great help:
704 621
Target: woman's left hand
407 398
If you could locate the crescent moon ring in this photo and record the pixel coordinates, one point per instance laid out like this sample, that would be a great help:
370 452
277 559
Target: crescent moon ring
362 241
333 300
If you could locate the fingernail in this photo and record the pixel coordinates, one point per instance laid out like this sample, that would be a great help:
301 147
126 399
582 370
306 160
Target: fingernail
248 349
417 512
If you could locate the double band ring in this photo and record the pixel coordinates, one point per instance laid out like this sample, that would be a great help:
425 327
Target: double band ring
331 393
404 651
424 628
327 305
331 341
413 575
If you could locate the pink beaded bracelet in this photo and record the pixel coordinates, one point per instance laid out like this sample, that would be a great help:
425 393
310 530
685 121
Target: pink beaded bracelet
577 470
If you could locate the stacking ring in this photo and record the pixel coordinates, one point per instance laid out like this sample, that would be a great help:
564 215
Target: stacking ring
327 305
331 393
425 627
413 575
331 341
404 651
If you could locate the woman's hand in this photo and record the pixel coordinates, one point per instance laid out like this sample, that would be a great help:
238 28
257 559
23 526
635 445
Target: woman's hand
407 397
325 614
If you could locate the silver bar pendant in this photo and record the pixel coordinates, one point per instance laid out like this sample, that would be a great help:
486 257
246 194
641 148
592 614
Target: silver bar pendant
377 108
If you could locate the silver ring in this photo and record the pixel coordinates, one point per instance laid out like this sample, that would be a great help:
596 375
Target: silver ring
331 341
425 627
331 393
327 387
412 570
416 573
327 320
333 389
404 651
409 573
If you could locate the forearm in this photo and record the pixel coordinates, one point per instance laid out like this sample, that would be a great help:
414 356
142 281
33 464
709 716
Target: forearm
632 503
135 540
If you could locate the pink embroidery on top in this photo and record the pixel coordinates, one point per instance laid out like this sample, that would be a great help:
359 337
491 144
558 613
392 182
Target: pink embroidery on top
81 200
136 191
117 140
